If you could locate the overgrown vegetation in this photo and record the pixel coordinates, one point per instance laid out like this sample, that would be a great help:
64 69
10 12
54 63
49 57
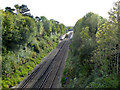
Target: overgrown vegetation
94 56
25 41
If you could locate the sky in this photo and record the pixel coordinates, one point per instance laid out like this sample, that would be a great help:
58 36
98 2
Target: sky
67 12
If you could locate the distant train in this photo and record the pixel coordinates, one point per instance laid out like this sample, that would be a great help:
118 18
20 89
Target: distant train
67 35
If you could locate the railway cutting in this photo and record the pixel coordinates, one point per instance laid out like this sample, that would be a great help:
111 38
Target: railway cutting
48 73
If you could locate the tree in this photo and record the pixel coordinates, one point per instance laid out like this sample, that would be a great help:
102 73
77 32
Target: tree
9 9
114 19
37 18
17 7
62 29
21 9
47 25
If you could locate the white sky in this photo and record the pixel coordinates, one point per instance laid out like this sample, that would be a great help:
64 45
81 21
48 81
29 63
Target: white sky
64 11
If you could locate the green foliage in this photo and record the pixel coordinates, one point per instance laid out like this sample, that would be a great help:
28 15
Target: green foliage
26 40
16 30
34 54
93 59
70 27
104 82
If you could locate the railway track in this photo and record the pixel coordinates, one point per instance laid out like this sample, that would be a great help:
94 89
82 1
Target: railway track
46 75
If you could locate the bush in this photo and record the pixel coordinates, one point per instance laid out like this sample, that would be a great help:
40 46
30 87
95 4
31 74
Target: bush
105 82
34 54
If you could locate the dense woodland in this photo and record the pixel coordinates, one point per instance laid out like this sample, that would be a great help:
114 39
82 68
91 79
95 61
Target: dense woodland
25 41
94 55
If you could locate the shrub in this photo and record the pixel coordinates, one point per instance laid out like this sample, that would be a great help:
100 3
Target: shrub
105 81
34 54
